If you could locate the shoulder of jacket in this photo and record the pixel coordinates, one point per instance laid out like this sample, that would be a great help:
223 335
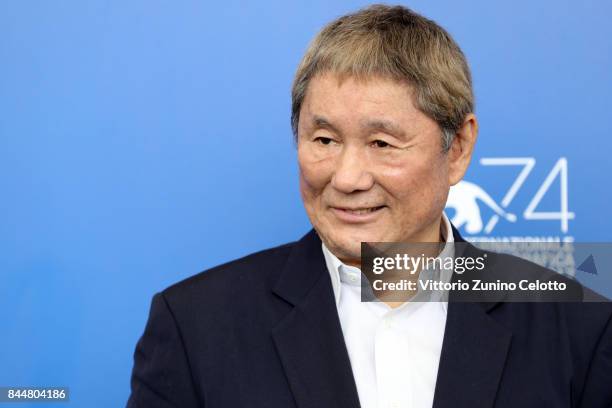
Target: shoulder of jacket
260 265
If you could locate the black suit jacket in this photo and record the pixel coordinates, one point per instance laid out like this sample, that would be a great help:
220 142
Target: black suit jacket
263 331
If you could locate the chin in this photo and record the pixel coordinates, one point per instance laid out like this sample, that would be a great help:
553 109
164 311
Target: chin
364 236
349 245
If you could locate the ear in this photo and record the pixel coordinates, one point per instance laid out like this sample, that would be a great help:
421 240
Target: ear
461 149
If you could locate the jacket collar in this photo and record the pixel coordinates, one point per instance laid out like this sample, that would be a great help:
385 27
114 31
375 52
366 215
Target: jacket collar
304 267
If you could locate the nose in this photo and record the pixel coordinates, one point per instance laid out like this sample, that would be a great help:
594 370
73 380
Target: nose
352 171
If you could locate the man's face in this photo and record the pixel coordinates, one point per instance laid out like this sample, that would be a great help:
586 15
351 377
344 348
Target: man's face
371 165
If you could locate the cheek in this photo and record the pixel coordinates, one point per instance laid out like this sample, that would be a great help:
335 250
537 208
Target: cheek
419 183
314 174
307 191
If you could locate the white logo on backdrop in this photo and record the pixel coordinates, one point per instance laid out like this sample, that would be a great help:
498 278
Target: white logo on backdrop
469 199
466 198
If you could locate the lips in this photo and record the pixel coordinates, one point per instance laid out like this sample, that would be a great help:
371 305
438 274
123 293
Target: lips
357 215
359 210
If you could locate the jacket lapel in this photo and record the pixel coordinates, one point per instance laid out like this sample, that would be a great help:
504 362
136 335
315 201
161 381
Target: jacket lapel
309 338
472 360
473 354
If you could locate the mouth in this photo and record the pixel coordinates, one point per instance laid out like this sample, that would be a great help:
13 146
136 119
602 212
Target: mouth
357 214
361 210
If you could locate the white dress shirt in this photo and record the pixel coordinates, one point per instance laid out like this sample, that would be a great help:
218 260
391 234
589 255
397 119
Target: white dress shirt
394 352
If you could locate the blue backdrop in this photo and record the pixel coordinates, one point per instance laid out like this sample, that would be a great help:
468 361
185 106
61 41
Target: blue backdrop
144 141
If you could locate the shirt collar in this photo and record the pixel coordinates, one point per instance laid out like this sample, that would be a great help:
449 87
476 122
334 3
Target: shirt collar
351 275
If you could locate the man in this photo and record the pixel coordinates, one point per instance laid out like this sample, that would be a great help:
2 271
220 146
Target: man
383 117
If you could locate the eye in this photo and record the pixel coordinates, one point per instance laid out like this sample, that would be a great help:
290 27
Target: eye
323 140
380 144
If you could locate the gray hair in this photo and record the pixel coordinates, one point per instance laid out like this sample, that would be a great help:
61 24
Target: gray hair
393 42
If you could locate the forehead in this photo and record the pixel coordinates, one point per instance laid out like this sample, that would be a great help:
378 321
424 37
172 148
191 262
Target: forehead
349 97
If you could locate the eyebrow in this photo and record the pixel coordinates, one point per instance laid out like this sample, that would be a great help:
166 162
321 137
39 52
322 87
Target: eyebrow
322 122
385 126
